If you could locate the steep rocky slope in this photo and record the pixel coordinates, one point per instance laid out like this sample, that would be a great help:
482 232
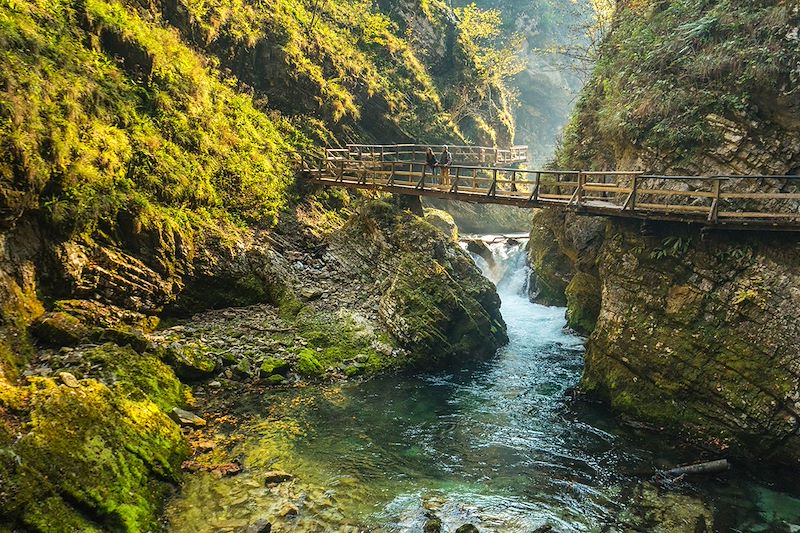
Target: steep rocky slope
689 330
147 155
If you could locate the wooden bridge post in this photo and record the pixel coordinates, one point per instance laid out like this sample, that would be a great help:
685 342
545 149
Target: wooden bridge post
714 213
493 188
454 188
391 176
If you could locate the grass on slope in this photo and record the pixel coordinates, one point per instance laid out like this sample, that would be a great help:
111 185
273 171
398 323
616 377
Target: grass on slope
102 110
667 65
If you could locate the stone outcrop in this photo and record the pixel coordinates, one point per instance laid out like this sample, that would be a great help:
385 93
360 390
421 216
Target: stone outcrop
700 336
696 331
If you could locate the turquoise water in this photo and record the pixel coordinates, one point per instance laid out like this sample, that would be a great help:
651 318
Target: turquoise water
497 444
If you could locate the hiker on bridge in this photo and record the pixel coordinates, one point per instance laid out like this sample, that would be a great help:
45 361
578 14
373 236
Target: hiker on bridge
445 160
431 161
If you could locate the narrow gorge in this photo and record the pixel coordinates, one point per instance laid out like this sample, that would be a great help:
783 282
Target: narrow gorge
197 334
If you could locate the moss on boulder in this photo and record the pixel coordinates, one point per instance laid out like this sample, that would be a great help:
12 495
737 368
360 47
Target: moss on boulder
583 302
59 329
442 220
192 361
92 458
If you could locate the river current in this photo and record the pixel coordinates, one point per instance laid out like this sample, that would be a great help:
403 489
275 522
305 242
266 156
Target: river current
498 444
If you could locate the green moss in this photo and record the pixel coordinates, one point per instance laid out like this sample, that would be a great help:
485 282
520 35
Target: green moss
273 365
136 375
93 449
191 361
583 302
308 364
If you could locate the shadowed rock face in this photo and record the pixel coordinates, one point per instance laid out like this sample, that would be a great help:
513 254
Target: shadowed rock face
697 333
702 336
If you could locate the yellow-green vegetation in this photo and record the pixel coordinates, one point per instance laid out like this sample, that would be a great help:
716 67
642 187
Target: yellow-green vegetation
101 109
92 457
443 221
667 67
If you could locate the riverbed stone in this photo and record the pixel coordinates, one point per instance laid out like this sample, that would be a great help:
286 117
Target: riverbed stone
69 380
275 477
273 365
59 329
467 528
186 418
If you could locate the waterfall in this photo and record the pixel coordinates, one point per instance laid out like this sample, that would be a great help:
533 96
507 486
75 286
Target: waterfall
503 260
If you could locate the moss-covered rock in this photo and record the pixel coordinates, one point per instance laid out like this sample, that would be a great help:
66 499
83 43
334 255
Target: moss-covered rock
308 364
60 329
432 299
442 220
192 361
682 340
551 268
583 302
273 365
92 458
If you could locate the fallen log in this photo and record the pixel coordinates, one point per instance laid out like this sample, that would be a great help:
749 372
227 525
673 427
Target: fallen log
709 467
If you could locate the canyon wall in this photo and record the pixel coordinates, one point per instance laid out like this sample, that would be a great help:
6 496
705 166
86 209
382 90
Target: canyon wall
690 330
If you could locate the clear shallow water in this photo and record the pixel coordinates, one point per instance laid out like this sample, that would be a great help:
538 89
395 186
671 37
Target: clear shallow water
497 445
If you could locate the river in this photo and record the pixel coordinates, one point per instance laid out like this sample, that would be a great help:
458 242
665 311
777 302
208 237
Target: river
498 445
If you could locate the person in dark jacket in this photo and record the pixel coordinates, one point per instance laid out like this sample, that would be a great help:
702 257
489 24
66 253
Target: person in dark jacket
431 161
445 160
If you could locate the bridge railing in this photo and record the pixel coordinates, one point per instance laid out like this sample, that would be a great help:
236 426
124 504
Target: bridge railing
743 200
481 155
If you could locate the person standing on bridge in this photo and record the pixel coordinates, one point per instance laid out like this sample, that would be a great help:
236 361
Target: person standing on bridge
431 161
445 160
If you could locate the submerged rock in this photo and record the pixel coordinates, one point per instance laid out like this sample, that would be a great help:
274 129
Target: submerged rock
432 525
467 528
275 477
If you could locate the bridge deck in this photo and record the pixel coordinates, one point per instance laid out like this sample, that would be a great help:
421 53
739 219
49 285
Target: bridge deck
741 202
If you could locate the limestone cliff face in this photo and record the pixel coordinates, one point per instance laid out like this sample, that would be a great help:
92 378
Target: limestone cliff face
700 335
696 331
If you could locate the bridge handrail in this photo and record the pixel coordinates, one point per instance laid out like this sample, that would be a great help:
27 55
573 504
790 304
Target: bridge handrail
614 193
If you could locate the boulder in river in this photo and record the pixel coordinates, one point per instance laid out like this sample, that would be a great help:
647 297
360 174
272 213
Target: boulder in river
467 528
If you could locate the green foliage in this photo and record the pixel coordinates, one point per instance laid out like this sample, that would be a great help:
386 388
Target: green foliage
103 110
668 67
672 246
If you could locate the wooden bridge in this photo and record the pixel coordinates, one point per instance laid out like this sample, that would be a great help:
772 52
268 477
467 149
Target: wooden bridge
489 175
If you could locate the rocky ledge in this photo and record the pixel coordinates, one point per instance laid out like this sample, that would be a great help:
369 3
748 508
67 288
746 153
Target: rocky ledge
94 406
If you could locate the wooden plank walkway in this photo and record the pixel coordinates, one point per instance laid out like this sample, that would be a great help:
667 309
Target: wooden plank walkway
735 202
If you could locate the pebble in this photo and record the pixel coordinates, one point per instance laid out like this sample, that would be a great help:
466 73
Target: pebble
259 526
277 476
288 510
69 380
215 384
186 418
